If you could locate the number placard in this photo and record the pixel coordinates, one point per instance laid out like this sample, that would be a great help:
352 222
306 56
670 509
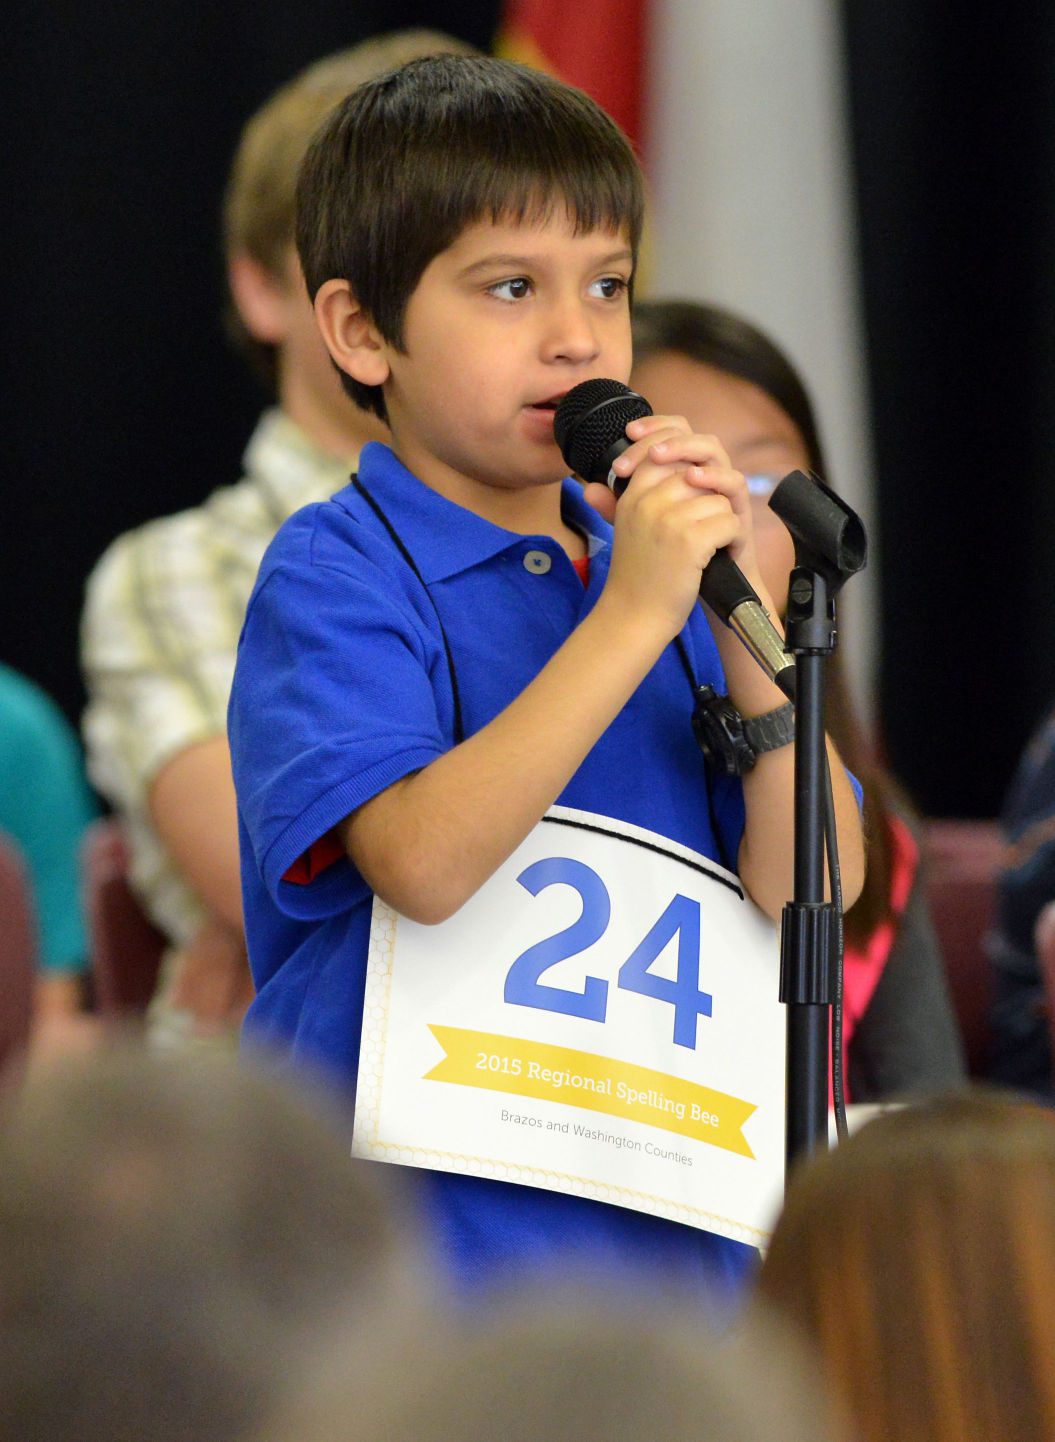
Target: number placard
601 1018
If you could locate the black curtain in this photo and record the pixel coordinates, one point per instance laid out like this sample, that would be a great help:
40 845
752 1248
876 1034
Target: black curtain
121 400
953 123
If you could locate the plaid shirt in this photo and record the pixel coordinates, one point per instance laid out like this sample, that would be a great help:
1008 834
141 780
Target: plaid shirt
163 612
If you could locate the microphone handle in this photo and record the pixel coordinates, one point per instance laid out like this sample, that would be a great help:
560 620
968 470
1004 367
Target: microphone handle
732 598
724 586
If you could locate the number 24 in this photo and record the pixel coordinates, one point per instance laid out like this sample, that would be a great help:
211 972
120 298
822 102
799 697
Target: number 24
681 919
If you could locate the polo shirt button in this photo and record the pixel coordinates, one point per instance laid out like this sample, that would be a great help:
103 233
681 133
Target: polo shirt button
537 562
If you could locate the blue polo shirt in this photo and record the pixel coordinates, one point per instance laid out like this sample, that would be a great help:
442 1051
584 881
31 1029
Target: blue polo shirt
347 672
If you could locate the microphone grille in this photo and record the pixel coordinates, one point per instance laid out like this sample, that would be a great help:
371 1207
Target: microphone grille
591 418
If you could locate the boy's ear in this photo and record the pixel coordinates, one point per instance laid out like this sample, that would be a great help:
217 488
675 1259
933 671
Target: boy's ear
351 337
260 298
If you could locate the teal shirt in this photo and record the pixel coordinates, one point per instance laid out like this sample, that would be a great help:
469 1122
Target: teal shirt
45 806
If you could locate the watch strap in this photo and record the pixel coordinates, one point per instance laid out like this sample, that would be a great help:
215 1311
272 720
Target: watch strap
772 730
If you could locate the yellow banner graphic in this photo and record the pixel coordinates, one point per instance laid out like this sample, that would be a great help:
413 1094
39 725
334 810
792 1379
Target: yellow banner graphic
598 1083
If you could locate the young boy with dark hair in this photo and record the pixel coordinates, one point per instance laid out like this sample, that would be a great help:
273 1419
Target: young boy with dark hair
458 640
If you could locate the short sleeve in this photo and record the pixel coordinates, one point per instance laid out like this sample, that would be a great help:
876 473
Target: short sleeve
334 699
162 614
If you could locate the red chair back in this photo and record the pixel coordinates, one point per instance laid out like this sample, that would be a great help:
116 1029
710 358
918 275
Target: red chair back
1044 940
962 861
19 955
126 947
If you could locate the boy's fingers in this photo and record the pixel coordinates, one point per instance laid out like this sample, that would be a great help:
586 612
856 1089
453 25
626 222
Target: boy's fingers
648 425
669 497
724 482
640 449
704 449
668 444
693 477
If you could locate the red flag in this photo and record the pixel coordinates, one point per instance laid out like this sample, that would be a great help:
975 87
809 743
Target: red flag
598 45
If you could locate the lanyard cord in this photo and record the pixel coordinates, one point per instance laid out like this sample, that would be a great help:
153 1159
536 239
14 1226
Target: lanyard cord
716 831
686 664
459 729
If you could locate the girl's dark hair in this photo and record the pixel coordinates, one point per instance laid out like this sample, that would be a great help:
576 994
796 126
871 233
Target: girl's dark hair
412 158
719 338
712 336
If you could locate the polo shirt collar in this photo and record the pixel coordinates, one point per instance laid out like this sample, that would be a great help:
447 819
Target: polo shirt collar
444 538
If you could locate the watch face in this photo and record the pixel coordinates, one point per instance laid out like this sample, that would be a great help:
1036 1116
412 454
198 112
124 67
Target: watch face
719 729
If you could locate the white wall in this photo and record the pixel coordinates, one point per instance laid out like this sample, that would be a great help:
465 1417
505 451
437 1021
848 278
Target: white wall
749 164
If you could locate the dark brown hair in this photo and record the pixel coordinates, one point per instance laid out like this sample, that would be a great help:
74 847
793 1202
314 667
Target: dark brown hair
412 158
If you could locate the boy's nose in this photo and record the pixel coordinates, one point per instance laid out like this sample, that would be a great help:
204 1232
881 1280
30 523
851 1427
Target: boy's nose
571 334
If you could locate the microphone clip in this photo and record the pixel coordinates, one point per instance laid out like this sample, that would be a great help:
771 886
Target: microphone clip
829 537
830 547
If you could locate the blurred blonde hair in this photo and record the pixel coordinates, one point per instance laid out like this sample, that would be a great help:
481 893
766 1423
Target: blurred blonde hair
259 208
919 1257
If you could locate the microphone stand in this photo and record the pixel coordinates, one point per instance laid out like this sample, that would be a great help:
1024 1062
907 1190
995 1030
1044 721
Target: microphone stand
830 547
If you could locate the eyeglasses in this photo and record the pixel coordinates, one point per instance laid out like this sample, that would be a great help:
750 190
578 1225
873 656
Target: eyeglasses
762 486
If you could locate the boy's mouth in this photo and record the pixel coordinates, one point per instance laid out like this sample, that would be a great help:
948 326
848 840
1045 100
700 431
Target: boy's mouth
548 405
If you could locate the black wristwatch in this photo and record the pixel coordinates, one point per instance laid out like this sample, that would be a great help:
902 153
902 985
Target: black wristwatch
730 743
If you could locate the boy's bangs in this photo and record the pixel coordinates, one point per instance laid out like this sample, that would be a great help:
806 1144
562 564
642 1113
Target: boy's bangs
591 201
433 197
520 145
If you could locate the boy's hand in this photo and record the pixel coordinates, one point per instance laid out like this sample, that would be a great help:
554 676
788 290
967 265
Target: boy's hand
683 501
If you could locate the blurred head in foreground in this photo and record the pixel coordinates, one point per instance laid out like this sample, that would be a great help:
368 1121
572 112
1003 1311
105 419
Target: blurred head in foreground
557 1369
175 1237
919 1257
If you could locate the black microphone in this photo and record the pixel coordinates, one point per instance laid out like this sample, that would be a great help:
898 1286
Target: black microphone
589 426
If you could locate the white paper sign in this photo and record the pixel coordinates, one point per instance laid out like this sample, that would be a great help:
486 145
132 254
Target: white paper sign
601 1018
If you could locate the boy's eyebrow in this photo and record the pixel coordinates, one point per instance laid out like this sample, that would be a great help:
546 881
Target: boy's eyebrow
510 261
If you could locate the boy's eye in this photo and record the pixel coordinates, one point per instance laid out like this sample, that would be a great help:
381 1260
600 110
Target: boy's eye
609 287
514 289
